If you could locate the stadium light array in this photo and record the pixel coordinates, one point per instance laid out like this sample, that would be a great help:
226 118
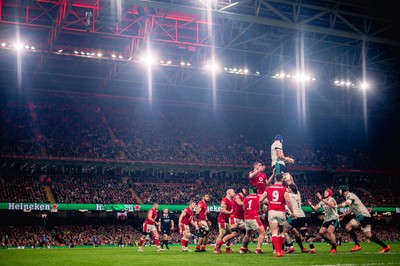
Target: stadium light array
344 83
17 46
297 77
111 55
350 84
240 71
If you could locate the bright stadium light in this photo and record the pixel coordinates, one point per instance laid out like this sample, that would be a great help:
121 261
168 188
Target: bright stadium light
212 67
18 46
364 86
150 59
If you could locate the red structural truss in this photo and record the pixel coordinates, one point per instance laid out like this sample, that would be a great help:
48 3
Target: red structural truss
131 22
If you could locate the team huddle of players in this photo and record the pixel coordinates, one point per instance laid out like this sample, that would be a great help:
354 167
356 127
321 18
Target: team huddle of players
273 203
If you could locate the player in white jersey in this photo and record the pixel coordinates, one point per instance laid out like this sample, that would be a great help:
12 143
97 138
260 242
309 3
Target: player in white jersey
363 219
278 159
298 226
331 222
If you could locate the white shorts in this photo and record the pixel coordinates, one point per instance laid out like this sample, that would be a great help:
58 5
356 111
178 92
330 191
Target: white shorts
275 216
253 224
147 228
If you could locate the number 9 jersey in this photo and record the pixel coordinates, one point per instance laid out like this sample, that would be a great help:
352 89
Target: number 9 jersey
276 197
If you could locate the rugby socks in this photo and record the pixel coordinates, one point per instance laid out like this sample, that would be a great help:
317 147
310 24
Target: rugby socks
379 242
353 236
299 242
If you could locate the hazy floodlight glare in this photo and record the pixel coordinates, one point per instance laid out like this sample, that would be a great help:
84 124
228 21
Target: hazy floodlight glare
302 78
364 86
18 46
212 67
150 59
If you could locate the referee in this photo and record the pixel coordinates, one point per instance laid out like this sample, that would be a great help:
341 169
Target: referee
166 225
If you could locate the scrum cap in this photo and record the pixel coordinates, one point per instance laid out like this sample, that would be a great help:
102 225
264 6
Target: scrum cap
330 193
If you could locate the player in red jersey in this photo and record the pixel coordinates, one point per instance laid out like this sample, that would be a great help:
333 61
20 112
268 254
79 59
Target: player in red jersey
236 219
278 197
186 218
149 227
223 220
252 222
258 178
203 223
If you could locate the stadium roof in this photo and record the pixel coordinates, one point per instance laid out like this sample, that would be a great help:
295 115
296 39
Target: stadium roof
333 40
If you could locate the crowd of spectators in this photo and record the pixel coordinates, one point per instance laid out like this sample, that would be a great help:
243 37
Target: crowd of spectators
176 188
86 188
100 128
21 188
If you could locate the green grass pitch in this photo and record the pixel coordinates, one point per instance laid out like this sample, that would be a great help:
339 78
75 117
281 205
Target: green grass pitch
130 256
